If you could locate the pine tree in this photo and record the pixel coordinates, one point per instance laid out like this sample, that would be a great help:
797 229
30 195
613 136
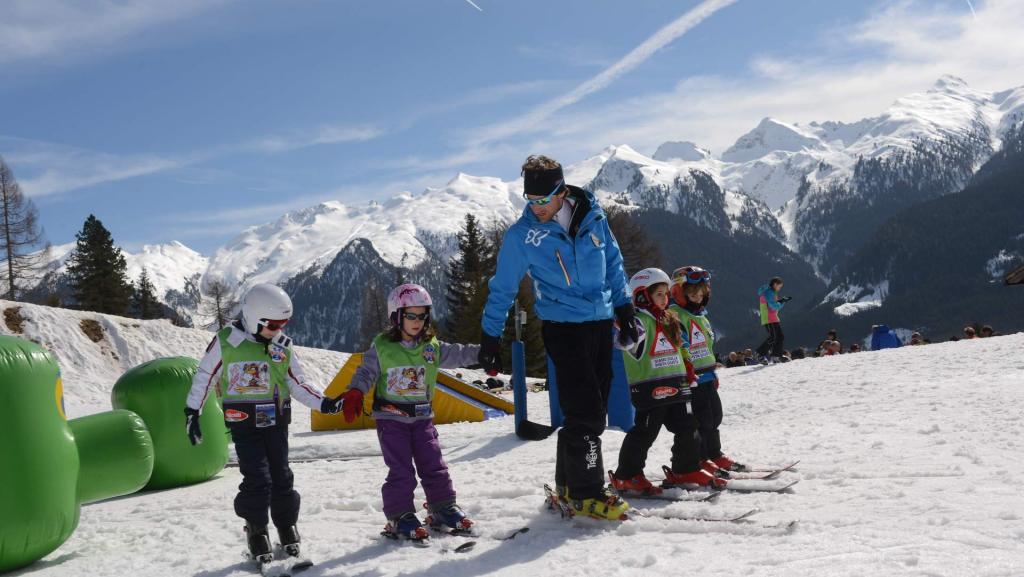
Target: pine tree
144 301
97 271
19 233
219 304
468 272
373 314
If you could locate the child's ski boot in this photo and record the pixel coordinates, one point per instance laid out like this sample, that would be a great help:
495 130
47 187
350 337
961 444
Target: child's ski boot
258 541
638 485
294 560
727 464
699 479
448 516
713 469
606 506
289 537
407 526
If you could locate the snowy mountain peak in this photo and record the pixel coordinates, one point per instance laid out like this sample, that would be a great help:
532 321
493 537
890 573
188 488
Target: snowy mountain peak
681 150
771 136
950 83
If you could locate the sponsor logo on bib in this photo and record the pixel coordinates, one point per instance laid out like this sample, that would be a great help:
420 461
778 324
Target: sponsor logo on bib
664 392
233 416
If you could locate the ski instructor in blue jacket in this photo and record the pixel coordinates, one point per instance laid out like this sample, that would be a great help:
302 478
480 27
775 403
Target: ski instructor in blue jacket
563 241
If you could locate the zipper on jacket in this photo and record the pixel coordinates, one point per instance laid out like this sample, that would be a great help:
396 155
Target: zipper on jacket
561 263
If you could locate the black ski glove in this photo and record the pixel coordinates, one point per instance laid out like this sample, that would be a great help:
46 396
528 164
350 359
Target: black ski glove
195 436
330 406
628 334
785 299
489 356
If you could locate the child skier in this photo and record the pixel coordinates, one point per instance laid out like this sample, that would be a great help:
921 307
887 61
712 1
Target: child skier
401 366
691 291
770 303
257 374
660 379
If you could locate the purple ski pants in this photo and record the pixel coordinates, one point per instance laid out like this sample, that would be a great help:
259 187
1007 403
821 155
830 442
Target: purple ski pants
411 448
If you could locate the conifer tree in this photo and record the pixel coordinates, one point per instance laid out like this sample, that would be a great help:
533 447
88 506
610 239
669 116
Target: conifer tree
144 301
97 271
468 273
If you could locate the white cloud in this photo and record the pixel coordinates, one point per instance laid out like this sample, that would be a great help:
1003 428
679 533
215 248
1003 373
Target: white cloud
327 134
32 29
54 169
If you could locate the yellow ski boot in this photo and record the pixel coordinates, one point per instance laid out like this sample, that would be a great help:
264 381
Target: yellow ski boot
606 507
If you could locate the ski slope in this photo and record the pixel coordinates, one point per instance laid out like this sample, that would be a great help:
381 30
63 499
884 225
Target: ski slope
910 466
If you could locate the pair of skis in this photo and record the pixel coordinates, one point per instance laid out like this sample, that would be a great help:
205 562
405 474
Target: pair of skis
462 548
285 567
557 503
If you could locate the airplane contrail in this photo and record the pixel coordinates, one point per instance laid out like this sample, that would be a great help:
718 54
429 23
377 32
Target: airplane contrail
968 4
637 56
471 3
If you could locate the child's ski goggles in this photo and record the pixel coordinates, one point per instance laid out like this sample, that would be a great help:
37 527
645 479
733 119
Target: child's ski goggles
415 316
274 325
546 199
692 274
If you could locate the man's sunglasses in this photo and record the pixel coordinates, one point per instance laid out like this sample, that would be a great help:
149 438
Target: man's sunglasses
546 199
415 317
274 325
694 275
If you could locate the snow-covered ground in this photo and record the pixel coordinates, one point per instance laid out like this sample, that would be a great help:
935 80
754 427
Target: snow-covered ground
910 465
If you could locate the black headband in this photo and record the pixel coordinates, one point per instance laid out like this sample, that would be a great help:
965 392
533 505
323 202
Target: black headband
542 182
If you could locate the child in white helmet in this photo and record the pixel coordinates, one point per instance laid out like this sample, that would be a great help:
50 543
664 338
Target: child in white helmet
660 376
257 374
401 368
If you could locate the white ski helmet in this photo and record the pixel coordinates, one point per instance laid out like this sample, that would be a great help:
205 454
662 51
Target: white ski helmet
264 302
406 295
643 279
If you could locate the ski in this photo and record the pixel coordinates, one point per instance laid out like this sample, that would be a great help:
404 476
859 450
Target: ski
469 545
765 469
703 518
752 486
285 567
686 496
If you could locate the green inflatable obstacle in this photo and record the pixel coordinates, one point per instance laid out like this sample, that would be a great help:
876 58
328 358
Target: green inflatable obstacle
48 466
156 391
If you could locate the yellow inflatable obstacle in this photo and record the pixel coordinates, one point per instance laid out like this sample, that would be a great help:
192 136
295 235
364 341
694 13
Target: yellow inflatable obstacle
454 401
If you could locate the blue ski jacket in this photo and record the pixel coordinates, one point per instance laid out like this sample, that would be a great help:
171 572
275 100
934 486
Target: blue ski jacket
576 278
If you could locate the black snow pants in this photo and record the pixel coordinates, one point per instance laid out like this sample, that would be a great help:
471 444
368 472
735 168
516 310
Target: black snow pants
582 356
773 344
679 419
267 480
707 407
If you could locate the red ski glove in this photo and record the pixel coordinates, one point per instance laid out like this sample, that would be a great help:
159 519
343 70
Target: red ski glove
352 404
691 375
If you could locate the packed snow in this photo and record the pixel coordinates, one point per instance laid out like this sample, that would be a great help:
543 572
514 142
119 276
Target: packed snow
909 466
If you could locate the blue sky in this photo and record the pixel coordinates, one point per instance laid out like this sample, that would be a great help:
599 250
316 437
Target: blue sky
192 120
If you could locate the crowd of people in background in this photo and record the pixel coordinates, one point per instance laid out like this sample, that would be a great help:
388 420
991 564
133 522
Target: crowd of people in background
882 337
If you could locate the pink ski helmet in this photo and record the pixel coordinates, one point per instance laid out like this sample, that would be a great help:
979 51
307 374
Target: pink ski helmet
406 295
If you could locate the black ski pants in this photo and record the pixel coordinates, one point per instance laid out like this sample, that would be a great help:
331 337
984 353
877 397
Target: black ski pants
773 344
267 480
707 407
582 355
679 419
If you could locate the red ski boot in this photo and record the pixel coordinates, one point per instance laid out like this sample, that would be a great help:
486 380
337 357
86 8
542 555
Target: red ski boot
638 485
693 480
727 464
